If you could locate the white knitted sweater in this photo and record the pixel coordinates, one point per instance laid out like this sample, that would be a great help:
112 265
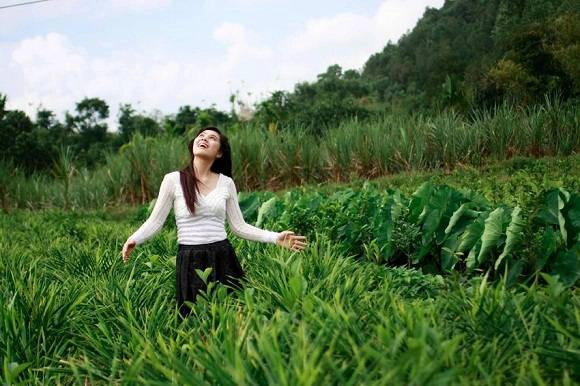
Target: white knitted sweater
211 211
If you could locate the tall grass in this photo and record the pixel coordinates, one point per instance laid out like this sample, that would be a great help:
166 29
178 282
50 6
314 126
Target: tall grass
63 171
268 159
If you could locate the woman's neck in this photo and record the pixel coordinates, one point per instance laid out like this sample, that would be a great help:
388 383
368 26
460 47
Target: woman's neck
202 167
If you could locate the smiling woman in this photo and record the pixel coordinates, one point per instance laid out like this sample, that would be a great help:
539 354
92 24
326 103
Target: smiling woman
203 195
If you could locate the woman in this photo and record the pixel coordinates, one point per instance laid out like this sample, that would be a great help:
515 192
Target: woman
203 195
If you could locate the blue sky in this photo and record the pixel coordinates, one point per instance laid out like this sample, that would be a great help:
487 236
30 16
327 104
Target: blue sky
161 54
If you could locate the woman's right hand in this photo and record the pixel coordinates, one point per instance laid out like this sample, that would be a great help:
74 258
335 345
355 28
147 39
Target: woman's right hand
288 239
127 249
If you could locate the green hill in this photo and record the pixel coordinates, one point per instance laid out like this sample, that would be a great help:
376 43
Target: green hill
467 54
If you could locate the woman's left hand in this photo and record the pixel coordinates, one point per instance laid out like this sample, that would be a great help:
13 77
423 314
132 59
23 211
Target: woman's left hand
288 239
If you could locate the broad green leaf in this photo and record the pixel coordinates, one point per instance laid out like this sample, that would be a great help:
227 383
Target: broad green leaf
514 272
266 210
549 244
571 214
397 205
448 256
567 265
458 224
551 212
472 233
455 217
471 261
421 253
492 233
514 235
561 220
419 200
250 204
434 212
383 226
548 213
573 210
475 199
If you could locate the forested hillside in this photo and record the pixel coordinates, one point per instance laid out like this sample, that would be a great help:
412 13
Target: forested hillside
467 55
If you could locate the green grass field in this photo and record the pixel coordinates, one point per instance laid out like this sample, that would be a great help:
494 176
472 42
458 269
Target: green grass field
73 312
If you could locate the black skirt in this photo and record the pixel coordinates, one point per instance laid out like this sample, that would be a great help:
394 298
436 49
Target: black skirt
219 255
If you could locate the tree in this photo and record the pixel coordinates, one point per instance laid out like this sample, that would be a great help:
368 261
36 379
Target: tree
130 123
185 118
566 46
212 117
89 125
56 133
22 143
91 113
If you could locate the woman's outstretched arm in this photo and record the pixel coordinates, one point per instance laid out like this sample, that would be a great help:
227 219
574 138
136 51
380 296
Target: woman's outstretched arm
237 223
156 219
240 228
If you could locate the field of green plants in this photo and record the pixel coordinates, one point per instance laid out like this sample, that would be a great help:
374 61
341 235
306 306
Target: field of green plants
408 279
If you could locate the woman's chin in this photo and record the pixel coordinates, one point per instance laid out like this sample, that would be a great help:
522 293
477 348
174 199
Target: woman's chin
202 153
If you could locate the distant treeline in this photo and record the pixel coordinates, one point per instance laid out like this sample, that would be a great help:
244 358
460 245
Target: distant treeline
34 144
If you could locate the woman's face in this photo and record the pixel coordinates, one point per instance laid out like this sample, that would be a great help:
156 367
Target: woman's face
207 144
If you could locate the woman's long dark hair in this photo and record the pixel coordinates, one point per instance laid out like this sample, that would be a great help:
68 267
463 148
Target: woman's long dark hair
221 165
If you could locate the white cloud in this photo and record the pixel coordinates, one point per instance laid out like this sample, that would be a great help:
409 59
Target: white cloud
50 71
46 60
242 44
349 39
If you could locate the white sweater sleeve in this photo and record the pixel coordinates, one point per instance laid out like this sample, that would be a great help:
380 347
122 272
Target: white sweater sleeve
159 214
237 224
